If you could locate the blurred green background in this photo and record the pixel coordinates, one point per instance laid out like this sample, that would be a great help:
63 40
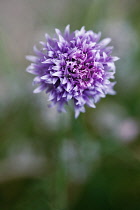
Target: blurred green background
50 161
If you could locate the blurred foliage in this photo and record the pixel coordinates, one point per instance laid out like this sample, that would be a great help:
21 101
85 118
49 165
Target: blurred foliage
52 161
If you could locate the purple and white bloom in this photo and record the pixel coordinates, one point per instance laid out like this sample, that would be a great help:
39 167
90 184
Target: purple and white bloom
74 66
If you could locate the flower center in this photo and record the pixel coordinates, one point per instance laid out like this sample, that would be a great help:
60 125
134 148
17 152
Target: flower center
79 71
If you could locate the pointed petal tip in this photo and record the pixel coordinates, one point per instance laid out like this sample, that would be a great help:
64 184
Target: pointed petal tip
67 30
27 69
67 27
115 58
31 58
47 36
58 32
42 43
30 69
39 89
35 48
27 57
105 41
83 28
36 91
77 114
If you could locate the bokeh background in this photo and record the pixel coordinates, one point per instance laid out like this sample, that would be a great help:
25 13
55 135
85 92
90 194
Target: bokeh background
50 161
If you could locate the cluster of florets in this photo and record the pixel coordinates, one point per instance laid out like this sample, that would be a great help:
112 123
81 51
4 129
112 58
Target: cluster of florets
74 66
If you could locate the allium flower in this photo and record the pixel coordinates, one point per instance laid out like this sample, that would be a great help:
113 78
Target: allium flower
74 66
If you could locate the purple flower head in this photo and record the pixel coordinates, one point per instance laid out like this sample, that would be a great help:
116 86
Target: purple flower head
74 66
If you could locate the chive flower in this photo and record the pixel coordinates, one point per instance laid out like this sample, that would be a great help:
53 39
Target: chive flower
74 66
